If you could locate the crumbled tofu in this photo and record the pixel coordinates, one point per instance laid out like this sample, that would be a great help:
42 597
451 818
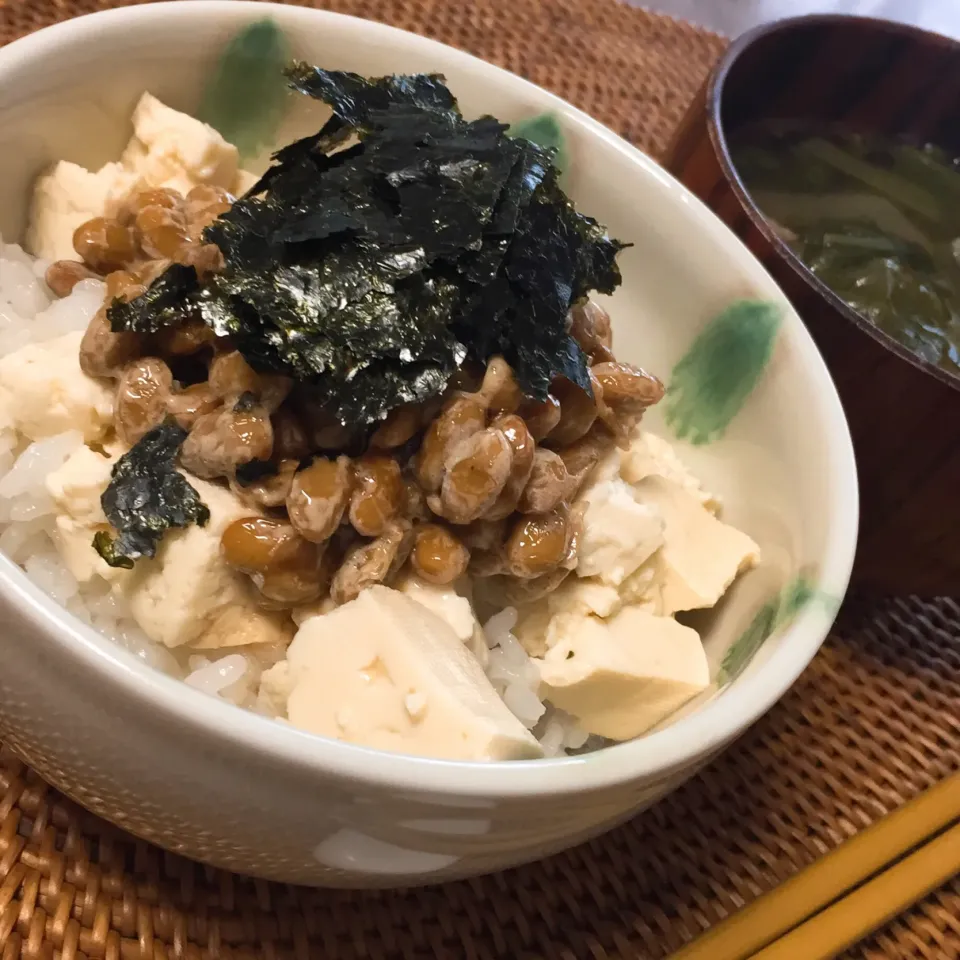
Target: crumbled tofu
383 671
650 455
173 149
241 624
700 556
76 488
276 685
450 606
607 468
188 595
622 676
167 149
445 602
542 624
585 597
636 589
74 543
313 609
8 422
45 392
619 533
68 196
533 627
77 485
416 705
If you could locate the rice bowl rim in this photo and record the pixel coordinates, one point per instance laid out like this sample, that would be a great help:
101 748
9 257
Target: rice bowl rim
657 755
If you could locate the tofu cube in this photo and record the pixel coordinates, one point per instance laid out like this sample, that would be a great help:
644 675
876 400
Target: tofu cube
650 455
384 671
700 557
622 676
450 606
541 624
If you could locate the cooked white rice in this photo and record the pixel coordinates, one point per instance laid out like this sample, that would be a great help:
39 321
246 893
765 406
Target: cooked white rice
30 313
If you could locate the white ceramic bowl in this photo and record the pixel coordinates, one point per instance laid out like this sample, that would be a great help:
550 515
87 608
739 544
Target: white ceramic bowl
208 780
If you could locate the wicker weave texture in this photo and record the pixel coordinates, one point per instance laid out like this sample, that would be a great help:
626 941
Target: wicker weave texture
872 722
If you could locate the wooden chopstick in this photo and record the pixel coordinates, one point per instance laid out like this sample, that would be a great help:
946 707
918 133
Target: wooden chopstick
789 905
870 906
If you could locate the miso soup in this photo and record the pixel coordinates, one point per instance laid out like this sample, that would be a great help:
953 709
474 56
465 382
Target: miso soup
876 220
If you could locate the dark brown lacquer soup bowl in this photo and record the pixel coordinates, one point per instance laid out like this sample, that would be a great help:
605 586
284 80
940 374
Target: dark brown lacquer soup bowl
873 78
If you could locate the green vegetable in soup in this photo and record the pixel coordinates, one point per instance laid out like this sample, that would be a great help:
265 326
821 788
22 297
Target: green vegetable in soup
884 182
807 210
876 221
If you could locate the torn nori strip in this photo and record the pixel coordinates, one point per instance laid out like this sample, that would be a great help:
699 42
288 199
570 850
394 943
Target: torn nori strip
146 496
166 303
377 255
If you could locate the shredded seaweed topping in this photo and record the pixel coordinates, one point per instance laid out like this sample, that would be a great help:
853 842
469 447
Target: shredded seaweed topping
165 303
146 497
377 255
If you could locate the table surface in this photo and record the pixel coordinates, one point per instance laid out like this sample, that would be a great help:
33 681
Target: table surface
732 17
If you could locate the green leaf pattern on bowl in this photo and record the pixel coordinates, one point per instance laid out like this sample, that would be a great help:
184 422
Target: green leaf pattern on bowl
779 611
709 386
246 96
545 131
714 378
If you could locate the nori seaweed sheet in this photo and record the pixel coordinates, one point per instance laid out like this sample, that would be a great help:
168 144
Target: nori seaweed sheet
377 255
146 497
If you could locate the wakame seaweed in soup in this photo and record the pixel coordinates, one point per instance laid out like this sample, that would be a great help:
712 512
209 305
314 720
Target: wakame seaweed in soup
878 221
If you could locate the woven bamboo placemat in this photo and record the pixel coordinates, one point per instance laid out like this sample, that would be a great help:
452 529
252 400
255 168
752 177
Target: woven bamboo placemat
873 721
